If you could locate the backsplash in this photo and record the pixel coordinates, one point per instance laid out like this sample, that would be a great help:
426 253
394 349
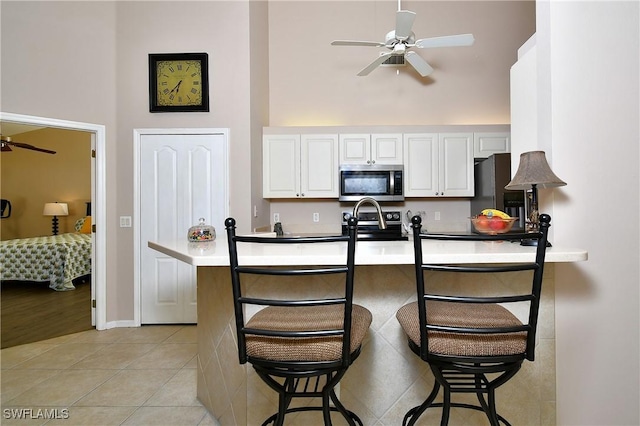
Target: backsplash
297 216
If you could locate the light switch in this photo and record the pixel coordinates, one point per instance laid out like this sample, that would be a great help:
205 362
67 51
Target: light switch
125 221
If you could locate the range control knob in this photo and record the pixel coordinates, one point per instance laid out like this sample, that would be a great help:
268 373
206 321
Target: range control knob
396 216
346 216
389 216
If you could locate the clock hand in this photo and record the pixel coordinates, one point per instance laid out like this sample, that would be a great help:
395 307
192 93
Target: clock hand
177 88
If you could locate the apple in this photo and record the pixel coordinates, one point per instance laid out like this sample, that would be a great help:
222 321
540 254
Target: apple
482 222
497 223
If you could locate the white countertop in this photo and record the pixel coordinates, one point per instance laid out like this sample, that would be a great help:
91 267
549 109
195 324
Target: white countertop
215 253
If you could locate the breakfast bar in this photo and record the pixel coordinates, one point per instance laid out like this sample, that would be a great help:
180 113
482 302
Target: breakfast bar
388 378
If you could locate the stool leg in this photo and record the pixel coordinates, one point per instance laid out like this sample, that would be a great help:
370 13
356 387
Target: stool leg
351 417
413 414
446 405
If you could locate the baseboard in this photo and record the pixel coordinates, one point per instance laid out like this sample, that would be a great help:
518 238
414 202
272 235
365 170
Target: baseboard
120 324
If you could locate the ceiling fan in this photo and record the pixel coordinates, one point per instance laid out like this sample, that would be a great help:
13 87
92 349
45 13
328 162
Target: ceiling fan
6 143
402 39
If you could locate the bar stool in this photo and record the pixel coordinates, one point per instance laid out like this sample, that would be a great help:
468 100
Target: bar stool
472 344
300 347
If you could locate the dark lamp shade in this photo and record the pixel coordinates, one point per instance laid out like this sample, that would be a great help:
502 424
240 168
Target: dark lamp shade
534 170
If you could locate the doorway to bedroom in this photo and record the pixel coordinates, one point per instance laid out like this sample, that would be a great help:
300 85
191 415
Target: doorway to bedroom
32 309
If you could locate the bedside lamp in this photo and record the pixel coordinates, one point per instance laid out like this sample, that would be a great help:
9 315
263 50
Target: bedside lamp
55 210
533 172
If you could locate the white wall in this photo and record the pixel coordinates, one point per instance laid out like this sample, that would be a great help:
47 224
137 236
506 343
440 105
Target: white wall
592 51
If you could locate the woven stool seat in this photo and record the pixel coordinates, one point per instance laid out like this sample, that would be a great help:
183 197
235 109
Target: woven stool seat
464 315
305 318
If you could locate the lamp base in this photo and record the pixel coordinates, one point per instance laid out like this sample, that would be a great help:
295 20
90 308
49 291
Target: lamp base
531 242
54 225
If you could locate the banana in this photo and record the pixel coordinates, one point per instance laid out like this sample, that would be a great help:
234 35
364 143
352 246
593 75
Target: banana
495 212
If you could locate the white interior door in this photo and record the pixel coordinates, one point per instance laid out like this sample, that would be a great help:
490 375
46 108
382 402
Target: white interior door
182 177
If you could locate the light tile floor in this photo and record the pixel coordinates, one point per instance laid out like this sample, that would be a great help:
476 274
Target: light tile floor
122 376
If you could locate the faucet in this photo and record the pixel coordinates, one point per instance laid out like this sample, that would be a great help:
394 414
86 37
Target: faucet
382 224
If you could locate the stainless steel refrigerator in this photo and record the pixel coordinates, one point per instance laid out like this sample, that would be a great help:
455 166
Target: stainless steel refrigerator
491 176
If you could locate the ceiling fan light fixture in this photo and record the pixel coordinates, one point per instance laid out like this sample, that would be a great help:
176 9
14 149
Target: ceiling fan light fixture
394 61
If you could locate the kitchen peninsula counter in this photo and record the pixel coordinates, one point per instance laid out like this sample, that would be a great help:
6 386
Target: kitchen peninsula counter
387 379
215 253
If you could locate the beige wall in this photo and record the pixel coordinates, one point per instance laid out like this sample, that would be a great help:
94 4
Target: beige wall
30 179
270 63
314 83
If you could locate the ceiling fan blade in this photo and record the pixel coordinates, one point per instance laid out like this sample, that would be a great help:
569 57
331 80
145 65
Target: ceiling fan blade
446 41
416 61
31 147
356 43
404 22
373 65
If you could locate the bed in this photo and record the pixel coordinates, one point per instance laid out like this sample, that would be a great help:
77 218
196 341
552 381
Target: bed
58 259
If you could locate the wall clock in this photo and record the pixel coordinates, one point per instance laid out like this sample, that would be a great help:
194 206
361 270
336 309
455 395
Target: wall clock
178 82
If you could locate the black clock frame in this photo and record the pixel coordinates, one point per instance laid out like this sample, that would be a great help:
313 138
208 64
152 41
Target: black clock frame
154 58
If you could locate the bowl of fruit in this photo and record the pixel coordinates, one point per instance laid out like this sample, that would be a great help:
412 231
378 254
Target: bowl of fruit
492 222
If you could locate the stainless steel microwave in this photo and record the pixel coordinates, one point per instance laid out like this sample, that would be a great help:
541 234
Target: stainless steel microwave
381 182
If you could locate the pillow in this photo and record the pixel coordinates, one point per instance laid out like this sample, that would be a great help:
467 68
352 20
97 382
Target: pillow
78 225
86 226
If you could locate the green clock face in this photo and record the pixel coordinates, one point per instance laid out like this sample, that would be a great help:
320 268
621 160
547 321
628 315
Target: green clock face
178 82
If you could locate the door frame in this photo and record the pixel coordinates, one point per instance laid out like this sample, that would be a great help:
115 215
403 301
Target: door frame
137 255
98 204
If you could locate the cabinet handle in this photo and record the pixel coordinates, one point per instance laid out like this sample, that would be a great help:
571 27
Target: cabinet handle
368 161
373 161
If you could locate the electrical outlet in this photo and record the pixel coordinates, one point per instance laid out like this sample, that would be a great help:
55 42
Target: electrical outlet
437 216
255 211
316 217
276 217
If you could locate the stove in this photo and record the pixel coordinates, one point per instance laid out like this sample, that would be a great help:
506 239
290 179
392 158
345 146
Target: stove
368 226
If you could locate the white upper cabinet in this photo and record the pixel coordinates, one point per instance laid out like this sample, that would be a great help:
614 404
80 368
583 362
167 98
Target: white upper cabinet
421 165
364 148
438 165
319 166
485 144
456 165
296 166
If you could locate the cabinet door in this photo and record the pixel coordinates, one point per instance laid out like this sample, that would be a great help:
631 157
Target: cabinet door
319 166
386 148
420 164
355 148
281 166
485 144
456 165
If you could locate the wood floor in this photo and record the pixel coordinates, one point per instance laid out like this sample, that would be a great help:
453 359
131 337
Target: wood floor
31 311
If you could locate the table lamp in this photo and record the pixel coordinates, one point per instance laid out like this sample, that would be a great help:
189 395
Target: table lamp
55 210
533 172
